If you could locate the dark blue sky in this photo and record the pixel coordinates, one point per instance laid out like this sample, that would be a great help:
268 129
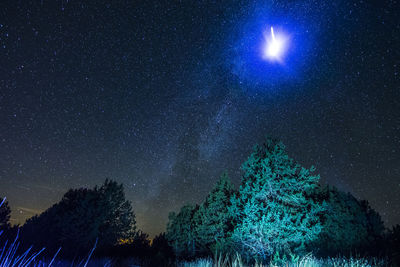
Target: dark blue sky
164 96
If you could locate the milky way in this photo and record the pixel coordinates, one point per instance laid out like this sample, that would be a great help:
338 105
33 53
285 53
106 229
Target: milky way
164 97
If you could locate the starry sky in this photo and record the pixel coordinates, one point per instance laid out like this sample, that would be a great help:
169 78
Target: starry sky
163 96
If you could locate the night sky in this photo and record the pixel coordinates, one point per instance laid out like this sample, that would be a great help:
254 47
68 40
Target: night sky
163 96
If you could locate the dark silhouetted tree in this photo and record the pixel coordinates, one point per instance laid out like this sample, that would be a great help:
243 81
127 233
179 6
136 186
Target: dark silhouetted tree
274 210
348 224
162 251
141 241
81 217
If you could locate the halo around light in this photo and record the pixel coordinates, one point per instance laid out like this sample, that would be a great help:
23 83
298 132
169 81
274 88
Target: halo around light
249 60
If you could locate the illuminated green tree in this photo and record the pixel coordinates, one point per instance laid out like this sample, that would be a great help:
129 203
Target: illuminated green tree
181 231
275 209
212 220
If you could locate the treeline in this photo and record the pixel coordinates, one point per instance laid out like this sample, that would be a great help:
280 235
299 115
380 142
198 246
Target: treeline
84 219
279 211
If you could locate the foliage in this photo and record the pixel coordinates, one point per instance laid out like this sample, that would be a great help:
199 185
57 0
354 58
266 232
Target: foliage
348 224
275 209
198 230
212 219
181 231
279 213
82 217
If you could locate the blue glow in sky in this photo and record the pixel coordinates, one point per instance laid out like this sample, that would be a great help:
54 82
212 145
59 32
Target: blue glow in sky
258 58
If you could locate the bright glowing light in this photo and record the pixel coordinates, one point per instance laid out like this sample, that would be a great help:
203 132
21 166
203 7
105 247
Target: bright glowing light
274 46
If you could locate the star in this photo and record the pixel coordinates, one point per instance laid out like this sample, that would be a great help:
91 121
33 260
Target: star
274 46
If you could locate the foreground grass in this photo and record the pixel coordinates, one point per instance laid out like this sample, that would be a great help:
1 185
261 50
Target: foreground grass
308 261
11 256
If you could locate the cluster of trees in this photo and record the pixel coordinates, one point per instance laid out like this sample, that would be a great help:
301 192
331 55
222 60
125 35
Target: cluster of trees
200 229
85 217
280 207
82 218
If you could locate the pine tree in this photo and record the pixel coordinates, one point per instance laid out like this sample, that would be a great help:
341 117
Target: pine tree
348 224
212 220
274 210
181 233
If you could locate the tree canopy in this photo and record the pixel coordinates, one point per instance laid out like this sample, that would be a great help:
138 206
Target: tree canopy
280 208
212 220
83 216
275 209
348 223
181 231
202 229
